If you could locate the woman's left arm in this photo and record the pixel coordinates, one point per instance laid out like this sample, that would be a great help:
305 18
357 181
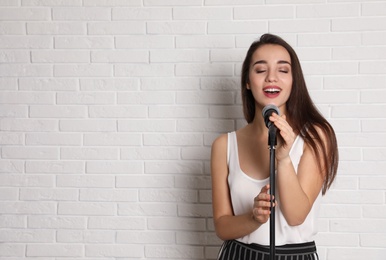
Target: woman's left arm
297 191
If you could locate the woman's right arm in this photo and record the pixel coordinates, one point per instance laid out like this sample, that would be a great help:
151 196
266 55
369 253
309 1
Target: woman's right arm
226 224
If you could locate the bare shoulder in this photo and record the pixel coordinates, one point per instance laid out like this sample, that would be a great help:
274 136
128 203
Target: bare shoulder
219 155
220 142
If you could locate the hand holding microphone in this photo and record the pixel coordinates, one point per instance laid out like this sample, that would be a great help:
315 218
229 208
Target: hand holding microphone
274 122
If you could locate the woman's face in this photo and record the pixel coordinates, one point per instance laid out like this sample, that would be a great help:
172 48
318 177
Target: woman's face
270 76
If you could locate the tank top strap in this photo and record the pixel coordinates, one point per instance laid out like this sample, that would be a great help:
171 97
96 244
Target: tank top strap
232 152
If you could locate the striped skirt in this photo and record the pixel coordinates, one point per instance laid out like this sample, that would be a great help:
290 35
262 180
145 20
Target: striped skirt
235 250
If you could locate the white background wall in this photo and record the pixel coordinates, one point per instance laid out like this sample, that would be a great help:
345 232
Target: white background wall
109 107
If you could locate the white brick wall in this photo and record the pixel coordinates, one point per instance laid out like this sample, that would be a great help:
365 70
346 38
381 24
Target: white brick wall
108 109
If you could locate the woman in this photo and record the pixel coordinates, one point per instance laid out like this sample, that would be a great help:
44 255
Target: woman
306 161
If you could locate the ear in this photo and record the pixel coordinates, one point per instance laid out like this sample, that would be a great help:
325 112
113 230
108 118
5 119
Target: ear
248 87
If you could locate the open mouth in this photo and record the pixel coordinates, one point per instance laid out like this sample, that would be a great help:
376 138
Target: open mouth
272 90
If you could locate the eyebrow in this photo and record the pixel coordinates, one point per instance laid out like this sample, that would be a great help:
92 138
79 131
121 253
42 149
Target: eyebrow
265 62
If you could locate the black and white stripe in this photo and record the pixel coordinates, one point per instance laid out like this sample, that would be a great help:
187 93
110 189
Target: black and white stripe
235 250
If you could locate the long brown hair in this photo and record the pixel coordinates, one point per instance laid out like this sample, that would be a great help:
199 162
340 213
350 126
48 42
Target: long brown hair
301 112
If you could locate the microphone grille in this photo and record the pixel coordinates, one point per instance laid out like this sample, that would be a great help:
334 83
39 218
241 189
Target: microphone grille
270 107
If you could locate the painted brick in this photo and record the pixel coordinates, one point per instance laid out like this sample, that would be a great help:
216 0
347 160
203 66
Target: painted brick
358 24
134 237
87 125
144 209
85 236
172 139
328 10
81 14
179 56
177 224
56 28
204 41
30 152
171 28
112 139
177 112
25 70
374 38
54 167
172 3
142 13
25 14
204 70
144 70
12 28
115 56
168 195
83 42
118 111
174 251
41 208
92 153
146 97
13 56
115 251
60 56
144 42
116 28
12 250
202 13
23 42
180 167
236 27
114 167
44 250
148 181
11 111
112 3
10 166
83 70
150 153
21 236
57 112
170 83
153 125
205 97
264 12
300 26
109 84
85 181
48 194
121 223
86 208
107 195
56 222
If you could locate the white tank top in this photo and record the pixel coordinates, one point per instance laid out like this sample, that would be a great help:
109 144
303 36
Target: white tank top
244 189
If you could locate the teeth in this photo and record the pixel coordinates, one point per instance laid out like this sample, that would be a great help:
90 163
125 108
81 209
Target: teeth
272 90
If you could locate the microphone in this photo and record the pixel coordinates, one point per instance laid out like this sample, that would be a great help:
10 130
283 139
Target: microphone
267 112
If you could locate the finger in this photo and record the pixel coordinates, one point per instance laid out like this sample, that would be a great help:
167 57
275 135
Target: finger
263 200
261 211
265 189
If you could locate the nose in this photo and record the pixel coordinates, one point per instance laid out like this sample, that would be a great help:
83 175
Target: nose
271 76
